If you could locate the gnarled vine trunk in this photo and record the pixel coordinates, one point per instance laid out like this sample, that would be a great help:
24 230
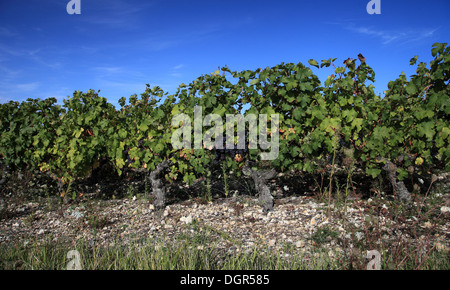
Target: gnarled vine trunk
260 178
158 189
399 187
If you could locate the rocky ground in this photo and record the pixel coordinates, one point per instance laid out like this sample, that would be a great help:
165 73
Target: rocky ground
298 222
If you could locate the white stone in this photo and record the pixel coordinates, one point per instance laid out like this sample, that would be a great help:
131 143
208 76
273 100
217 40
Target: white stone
186 220
445 209
300 244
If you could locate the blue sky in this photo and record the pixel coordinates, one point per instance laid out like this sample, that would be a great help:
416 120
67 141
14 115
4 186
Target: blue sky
118 46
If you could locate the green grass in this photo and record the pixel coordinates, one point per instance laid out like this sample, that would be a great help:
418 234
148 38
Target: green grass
150 255
197 251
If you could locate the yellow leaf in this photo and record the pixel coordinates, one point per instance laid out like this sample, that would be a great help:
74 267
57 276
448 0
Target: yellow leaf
419 161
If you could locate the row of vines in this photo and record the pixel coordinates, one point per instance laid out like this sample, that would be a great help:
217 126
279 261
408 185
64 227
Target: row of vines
342 119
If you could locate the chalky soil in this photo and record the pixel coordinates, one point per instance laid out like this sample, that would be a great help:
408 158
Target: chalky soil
236 224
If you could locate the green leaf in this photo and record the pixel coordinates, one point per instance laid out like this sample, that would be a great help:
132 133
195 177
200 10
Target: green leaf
445 132
254 82
122 101
298 113
295 151
286 107
342 101
357 122
422 114
340 70
328 124
78 134
308 167
158 148
120 163
402 174
411 89
144 125
374 172
325 63
306 87
413 60
317 113
313 63
122 133
329 80
291 85
381 132
437 48
426 129
282 92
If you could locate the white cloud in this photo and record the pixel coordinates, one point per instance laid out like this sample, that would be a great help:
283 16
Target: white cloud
116 14
9 51
177 67
387 37
8 73
27 87
108 69
6 53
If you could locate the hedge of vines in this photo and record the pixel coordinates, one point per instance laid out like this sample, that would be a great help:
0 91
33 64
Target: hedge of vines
408 129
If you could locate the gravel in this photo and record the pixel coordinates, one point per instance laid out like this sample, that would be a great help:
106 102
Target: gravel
236 224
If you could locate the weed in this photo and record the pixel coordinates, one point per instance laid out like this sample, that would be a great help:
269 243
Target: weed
324 235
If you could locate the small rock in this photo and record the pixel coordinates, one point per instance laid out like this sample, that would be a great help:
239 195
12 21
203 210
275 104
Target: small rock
445 209
300 244
315 219
441 247
186 220
77 214
359 235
